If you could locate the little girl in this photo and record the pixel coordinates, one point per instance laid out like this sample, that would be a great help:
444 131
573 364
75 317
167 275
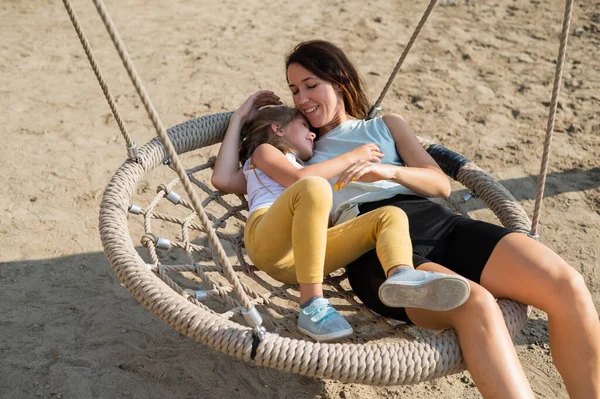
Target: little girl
287 234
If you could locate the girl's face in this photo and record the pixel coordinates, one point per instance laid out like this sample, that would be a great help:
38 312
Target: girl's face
317 99
297 133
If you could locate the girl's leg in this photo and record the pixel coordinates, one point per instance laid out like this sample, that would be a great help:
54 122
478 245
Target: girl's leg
521 268
485 343
385 229
289 239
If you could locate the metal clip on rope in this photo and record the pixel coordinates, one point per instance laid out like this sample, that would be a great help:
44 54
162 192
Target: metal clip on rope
534 236
160 242
135 209
470 195
375 109
132 152
172 196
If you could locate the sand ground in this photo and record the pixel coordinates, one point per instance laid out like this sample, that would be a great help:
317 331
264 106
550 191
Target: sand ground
477 81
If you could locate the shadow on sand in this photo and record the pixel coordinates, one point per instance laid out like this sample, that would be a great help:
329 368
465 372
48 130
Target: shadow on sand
524 188
76 331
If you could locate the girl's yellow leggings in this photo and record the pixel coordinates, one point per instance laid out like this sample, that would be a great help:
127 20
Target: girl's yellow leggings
290 240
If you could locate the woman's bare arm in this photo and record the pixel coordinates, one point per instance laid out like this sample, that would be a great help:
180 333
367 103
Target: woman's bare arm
421 175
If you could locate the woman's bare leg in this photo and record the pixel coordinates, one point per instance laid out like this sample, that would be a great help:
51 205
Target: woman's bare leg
521 268
485 343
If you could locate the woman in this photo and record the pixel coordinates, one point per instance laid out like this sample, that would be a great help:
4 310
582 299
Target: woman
287 234
327 90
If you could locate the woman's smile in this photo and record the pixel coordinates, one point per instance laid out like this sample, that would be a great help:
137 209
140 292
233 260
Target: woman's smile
310 110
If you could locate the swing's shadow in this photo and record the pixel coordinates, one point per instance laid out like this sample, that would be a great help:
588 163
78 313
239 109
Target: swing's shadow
71 321
524 188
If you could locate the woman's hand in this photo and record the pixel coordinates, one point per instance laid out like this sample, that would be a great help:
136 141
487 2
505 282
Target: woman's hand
365 171
249 109
367 152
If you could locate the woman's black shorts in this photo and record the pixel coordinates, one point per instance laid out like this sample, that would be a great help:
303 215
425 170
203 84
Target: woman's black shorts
461 244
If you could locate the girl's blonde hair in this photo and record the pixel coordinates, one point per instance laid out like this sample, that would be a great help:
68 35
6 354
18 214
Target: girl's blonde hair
259 131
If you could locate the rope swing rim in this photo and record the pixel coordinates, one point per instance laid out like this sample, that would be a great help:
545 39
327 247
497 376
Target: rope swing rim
378 363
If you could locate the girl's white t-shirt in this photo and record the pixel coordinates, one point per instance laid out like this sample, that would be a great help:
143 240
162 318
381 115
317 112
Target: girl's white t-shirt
262 190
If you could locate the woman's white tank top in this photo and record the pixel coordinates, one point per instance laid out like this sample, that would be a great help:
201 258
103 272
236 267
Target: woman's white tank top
346 137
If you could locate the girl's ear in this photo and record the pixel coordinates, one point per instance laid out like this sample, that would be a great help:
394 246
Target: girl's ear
275 129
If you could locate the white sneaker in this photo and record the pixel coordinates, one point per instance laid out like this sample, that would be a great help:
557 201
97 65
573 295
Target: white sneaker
410 288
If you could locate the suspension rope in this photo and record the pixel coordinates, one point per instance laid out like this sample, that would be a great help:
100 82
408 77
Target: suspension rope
176 164
551 118
376 107
153 115
90 56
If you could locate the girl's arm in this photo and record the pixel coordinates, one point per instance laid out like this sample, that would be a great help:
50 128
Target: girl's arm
227 175
421 175
274 164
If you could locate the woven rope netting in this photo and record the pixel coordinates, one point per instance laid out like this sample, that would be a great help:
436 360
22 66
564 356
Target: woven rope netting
193 283
182 281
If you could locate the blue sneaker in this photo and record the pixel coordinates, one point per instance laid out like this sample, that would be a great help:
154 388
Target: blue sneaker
322 322
426 290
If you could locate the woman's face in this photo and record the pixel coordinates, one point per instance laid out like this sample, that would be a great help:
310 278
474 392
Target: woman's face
300 137
317 99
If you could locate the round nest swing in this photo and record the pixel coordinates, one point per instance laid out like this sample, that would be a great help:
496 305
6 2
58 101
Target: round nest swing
239 310
376 354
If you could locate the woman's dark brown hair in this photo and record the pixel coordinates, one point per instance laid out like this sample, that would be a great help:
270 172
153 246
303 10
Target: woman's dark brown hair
330 63
259 131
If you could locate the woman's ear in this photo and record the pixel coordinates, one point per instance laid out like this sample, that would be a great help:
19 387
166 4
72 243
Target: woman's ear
276 129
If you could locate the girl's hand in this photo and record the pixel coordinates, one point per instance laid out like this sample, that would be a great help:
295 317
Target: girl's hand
366 172
249 109
367 152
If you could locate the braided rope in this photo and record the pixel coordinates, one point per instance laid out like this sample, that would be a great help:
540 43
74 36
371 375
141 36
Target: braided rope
377 364
92 59
396 361
506 208
560 62
405 52
496 197
176 164
286 316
